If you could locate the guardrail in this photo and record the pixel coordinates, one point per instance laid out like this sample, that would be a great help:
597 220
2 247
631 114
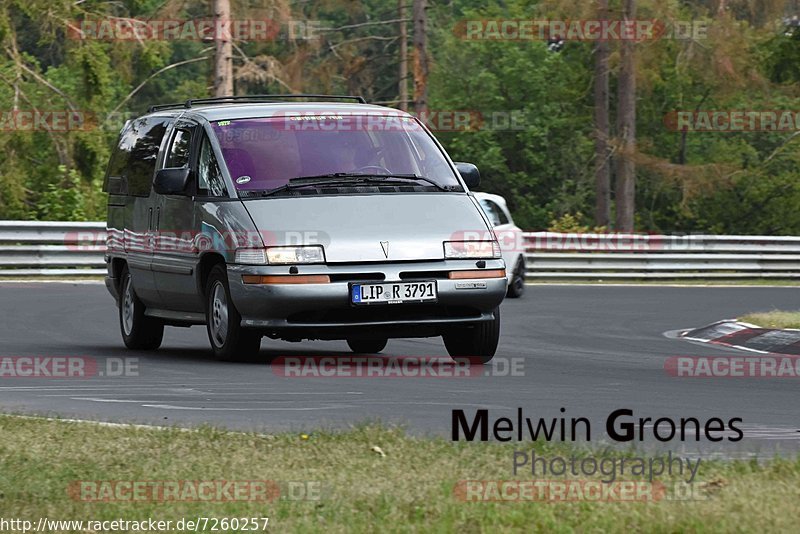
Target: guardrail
33 248
552 255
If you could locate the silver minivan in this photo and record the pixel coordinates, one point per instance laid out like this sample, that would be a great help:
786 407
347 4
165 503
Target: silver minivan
298 217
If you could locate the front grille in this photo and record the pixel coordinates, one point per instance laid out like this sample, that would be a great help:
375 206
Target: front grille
424 275
357 277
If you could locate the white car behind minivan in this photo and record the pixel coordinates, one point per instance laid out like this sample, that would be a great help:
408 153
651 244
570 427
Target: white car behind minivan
511 240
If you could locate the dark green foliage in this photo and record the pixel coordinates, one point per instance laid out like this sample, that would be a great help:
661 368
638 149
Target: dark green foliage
543 164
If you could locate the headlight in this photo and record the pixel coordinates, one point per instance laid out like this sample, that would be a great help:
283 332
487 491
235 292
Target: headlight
471 249
286 255
281 255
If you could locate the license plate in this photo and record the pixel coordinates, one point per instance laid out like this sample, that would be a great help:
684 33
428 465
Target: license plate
393 293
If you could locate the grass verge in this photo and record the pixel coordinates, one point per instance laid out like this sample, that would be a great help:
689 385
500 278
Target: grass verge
773 319
408 486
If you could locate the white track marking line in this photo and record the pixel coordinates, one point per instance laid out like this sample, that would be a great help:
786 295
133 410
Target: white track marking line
274 409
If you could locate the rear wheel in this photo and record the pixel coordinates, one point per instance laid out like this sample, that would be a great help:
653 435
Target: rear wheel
474 344
139 332
517 286
366 346
229 341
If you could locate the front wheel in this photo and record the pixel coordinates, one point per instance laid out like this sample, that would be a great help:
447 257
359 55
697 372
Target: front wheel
139 332
229 341
474 344
367 346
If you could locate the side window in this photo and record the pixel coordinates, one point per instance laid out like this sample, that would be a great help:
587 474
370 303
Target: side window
501 214
134 161
491 211
178 155
147 136
114 183
209 178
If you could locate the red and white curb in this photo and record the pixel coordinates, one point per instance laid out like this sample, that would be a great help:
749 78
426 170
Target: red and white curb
744 336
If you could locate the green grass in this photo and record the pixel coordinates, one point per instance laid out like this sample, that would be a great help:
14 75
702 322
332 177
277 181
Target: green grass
408 489
773 319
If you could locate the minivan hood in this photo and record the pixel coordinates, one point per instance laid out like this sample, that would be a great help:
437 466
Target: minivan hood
352 228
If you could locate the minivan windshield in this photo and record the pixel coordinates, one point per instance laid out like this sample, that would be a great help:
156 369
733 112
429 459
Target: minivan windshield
264 154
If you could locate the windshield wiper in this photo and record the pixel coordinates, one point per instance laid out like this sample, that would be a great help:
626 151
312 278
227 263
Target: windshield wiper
367 178
339 178
288 187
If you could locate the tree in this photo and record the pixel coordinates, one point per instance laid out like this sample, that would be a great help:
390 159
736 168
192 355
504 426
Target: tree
223 54
625 193
403 74
420 58
602 212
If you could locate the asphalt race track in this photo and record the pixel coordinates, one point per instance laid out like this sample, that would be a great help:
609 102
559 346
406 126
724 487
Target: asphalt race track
590 349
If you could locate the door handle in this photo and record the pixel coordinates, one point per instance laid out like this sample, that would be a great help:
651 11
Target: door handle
158 218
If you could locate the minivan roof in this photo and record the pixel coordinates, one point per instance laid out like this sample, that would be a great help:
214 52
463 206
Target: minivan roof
216 112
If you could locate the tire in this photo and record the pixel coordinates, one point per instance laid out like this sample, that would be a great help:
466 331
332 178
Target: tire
367 346
229 341
517 286
474 344
139 332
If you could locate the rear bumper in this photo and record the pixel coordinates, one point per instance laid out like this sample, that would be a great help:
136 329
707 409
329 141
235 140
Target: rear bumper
324 310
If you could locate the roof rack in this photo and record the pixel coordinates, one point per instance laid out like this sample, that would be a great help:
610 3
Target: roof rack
248 99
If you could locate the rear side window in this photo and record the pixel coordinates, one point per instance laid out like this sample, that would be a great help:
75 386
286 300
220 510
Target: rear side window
501 213
134 160
492 211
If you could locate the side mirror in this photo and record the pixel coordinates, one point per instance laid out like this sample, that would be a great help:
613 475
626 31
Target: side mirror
172 181
470 174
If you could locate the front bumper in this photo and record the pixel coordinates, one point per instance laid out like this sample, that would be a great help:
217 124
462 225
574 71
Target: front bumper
324 310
